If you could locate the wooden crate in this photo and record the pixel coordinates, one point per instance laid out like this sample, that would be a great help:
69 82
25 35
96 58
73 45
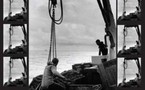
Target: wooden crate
108 73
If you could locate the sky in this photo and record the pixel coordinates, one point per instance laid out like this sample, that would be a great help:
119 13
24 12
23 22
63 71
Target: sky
16 71
130 6
131 37
130 71
16 37
82 25
16 7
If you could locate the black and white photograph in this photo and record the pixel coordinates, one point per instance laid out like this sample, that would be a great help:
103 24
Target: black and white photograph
15 11
129 40
129 10
72 45
15 40
129 72
15 72
129 56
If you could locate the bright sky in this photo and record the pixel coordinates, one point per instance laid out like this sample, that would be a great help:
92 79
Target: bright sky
82 25
130 6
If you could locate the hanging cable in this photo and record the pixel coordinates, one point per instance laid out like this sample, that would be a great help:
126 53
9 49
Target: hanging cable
10 36
125 33
52 48
124 5
10 6
11 64
51 6
125 66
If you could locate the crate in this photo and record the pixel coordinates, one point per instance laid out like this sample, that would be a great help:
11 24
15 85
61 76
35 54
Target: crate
108 72
87 65
77 66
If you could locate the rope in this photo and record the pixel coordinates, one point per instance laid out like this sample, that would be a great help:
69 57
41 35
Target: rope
10 6
11 64
125 33
125 66
52 48
10 35
124 6
51 7
51 10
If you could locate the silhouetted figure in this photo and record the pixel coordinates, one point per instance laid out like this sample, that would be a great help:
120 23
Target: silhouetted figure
102 48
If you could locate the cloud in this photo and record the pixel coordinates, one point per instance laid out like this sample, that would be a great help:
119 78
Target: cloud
83 23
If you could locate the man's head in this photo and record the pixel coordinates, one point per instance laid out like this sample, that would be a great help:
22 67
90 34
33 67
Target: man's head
97 41
55 61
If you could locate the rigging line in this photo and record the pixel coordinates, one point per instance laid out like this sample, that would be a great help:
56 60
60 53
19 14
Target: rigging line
51 40
10 35
55 44
49 57
125 66
10 7
54 37
124 5
125 33
10 67
50 9
52 45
